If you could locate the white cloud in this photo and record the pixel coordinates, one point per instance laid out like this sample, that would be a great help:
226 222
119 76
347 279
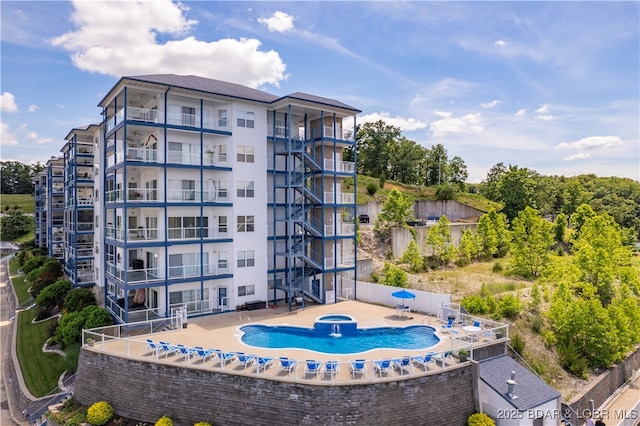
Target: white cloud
32 135
8 102
543 113
120 38
443 113
579 156
43 141
500 43
33 108
592 142
521 112
6 137
279 22
470 123
405 124
491 104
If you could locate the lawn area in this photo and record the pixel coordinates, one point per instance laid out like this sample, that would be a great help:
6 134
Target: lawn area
21 288
23 201
40 370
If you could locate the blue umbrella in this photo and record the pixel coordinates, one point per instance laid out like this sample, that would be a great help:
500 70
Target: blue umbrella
404 294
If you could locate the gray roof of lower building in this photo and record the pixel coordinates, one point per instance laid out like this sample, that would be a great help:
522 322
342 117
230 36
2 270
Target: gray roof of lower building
530 390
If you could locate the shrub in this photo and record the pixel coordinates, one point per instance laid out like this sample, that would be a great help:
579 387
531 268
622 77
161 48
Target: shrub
445 192
53 295
509 306
202 424
78 299
480 419
474 304
372 188
497 268
537 324
518 343
100 413
164 421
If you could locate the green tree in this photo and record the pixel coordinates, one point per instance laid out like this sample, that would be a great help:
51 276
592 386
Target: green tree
599 254
375 143
406 162
493 235
532 239
560 227
44 276
53 295
397 209
457 172
436 165
517 190
583 212
394 276
439 236
15 224
490 187
16 177
78 299
413 257
468 248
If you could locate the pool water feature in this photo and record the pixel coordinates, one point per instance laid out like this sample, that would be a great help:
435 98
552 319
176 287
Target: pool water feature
339 334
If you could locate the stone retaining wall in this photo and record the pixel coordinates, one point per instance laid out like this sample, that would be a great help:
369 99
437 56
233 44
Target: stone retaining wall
145 391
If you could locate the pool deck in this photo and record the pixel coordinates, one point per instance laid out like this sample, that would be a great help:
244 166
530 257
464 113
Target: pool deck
222 332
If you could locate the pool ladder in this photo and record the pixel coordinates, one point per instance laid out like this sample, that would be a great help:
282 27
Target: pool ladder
240 315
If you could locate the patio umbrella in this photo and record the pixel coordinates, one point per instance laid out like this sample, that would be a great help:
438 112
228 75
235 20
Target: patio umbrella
403 294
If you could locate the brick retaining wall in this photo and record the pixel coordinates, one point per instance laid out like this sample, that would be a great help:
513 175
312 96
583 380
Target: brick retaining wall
607 384
145 391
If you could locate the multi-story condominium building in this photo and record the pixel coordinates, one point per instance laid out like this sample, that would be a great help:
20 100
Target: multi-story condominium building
40 208
78 205
55 207
214 195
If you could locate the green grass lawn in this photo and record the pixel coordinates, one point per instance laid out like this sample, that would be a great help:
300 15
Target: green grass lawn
21 288
23 201
41 370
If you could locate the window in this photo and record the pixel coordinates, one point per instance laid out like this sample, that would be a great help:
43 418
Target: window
246 258
222 225
246 290
246 119
245 189
245 154
223 263
188 116
222 118
245 224
187 227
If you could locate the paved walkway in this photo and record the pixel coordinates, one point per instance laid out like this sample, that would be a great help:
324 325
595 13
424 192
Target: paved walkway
13 402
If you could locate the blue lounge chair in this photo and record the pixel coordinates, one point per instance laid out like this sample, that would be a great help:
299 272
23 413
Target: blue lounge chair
312 367
245 360
185 352
287 364
263 363
331 368
155 347
168 348
203 354
423 361
357 367
443 358
382 366
224 357
402 364
449 324
476 324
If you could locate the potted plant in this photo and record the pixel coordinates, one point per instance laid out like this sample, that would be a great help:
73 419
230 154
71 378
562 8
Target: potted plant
463 355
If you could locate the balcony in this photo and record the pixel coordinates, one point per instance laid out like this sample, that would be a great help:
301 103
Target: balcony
133 276
340 167
147 115
344 229
197 233
186 271
342 198
343 262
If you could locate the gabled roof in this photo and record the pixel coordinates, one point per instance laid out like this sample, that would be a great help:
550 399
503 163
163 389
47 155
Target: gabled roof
531 390
224 88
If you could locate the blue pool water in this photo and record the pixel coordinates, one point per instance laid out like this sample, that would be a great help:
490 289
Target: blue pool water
350 340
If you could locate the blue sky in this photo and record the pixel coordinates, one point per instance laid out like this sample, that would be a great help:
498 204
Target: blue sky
551 86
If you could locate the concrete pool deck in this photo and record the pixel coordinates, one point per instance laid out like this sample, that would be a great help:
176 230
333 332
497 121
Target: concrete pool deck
221 331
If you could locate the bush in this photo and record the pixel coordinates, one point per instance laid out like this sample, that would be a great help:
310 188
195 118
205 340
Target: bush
372 188
53 295
78 299
100 413
445 192
518 343
164 421
571 359
537 324
480 419
509 306
202 424
497 268
474 304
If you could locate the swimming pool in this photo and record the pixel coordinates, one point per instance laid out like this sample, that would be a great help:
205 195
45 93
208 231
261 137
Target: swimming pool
342 337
